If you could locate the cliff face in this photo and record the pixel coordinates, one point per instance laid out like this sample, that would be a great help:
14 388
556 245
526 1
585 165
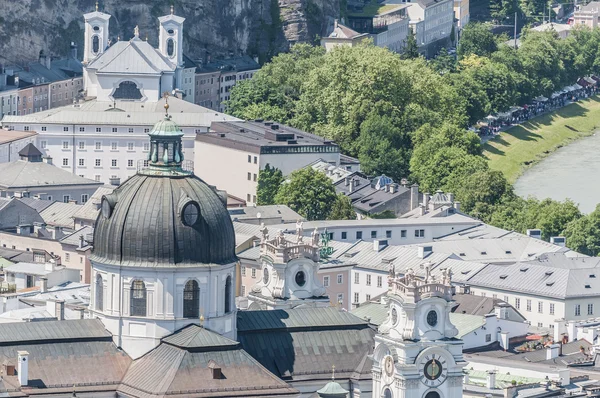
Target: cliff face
213 28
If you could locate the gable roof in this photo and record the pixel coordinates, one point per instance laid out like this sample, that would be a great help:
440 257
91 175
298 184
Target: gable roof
60 214
132 57
198 338
52 332
24 174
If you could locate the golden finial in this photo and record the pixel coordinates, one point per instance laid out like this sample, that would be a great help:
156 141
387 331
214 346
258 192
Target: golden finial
96 6
332 372
172 9
201 320
166 97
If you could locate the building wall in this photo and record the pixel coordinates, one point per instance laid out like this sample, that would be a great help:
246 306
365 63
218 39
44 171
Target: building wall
438 21
231 175
18 213
461 12
227 81
65 193
31 243
63 92
25 101
54 278
562 308
588 18
188 84
52 140
338 292
394 37
250 274
8 102
79 260
490 332
206 92
361 288
9 151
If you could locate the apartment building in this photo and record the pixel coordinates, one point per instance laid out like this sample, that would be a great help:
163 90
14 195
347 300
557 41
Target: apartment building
249 146
98 141
231 71
206 91
587 15
431 21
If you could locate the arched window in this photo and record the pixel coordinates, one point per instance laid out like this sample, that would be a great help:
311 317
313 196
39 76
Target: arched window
99 293
138 298
387 393
95 44
170 47
228 294
191 300
127 90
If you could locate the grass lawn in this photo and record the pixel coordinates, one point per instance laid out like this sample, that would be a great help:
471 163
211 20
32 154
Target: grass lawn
519 147
374 8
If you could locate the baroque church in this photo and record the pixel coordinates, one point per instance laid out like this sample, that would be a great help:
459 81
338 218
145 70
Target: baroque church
162 319
131 70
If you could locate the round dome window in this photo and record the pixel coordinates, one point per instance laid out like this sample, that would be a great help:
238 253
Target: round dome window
190 214
170 31
432 318
300 278
265 276
96 28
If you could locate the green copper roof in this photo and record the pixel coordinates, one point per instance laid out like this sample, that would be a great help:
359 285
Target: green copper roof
166 128
332 390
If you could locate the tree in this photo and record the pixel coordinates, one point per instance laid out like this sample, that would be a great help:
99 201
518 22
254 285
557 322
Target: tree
342 209
309 193
583 234
443 63
411 48
494 77
476 39
269 181
383 148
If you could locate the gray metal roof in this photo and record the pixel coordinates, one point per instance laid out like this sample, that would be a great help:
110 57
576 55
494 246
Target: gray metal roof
24 174
168 370
38 269
60 214
196 337
52 331
270 212
36 204
89 210
145 228
135 56
299 318
74 239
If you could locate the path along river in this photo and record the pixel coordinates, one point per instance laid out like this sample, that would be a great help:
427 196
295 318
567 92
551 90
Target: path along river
571 172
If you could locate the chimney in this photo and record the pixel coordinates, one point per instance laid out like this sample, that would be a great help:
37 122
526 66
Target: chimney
393 188
47 159
552 351
491 379
558 240
534 233
347 181
457 206
116 181
424 251
414 196
60 310
43 285
352 185
335 23
379 244
466 378
81 241
23 367
50 265
451 197
426 200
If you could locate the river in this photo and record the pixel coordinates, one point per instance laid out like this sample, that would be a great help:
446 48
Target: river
570 172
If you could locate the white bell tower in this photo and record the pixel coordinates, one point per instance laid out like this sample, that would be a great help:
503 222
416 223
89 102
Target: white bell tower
96 34
170 40
417 354
289 273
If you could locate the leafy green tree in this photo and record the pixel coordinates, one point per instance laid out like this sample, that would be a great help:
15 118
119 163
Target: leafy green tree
542 61
583 234
269 181
383 148
411 48
443 63
384 214
341 209
476 39
309 193
483 186
471 91
494 77
274 89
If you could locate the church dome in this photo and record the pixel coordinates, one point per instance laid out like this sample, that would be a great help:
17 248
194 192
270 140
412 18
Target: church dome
164 216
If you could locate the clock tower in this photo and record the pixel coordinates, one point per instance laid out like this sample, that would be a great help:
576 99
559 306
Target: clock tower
417 354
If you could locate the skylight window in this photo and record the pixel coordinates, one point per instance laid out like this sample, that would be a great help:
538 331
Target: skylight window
524 269
483 253
508 252
549 283
503 276
592 276
548 273
462 254
588 287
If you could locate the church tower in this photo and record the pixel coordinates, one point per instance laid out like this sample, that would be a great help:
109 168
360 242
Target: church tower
417 354
289 273
96 34
170 41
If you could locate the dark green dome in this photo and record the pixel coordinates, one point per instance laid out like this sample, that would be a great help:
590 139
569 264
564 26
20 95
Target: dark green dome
162 221
166 128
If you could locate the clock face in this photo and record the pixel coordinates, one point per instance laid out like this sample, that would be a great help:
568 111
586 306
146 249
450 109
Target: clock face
106 209
394 316
389 366
432 318
191 213
433 371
